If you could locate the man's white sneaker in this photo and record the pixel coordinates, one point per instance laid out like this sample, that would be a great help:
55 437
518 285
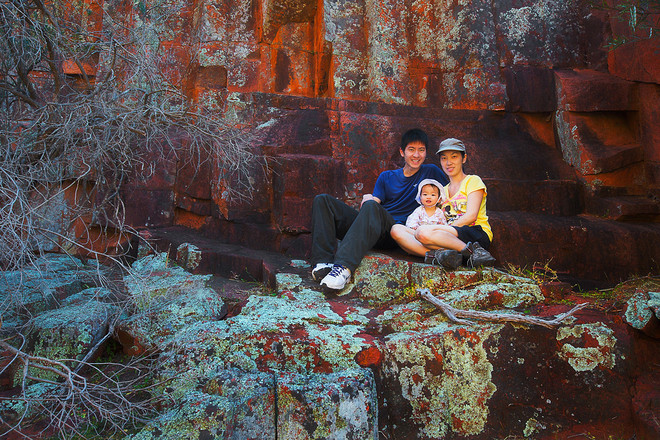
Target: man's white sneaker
337 278
321 270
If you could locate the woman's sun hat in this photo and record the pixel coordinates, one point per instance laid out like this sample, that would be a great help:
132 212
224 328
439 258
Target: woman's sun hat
452 144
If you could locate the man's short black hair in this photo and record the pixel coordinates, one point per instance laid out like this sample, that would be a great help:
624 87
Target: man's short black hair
414 135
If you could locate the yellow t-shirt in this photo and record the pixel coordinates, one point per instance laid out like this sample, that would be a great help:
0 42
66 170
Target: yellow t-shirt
456 206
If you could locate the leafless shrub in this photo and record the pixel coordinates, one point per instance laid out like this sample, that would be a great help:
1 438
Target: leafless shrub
89 100
64 131
104 399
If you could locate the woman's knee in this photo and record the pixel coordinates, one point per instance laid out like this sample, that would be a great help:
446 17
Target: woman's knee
397 231
423 235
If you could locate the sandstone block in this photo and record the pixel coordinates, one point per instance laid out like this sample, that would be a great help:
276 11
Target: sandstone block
551 197
597 144
592 91
166 300
380 279
297 180
229 405
69 332
637 61
440 381
341 405
40 288
649 96
148 208
530 89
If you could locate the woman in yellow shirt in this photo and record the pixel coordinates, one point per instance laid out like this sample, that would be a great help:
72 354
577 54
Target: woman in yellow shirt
468 234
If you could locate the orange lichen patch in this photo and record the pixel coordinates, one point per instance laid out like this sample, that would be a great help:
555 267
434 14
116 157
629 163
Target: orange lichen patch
292 59
369 357
189 219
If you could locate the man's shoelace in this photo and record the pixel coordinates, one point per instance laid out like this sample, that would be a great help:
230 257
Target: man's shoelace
336 270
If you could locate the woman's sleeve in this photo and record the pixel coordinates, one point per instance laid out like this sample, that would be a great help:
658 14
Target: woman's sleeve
474 183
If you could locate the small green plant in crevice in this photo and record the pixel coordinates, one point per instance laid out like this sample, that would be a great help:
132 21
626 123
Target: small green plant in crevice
539 272
626 289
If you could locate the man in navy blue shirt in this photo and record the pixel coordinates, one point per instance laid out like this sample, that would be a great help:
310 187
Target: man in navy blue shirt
393 199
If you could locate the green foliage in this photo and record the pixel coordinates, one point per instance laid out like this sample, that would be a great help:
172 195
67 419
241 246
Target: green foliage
539 273
638 17
626 289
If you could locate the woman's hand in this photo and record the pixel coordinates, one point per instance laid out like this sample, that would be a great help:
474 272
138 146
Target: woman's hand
472 210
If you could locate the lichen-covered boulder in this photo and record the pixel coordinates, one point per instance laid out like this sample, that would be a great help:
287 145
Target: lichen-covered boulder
41 286
336 406
166 299
69 332
101 294
231 405
643 312
439 380
294 331
379 279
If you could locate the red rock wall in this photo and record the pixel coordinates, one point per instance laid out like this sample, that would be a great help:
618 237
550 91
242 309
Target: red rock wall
330 86
423 52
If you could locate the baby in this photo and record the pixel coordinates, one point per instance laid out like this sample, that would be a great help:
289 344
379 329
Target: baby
429 196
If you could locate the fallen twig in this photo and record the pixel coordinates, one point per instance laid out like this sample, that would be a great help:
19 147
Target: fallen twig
455 314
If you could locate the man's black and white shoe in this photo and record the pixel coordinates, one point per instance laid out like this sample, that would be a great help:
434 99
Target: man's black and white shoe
320 271
337 278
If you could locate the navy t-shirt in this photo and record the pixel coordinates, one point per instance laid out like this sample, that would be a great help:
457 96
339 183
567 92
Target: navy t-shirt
397 192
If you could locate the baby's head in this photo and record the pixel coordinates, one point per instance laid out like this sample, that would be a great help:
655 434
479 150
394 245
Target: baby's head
428 192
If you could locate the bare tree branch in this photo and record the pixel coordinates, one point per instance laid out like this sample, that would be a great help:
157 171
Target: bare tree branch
455 315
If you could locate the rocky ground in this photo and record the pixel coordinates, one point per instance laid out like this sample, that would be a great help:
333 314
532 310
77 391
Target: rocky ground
285 360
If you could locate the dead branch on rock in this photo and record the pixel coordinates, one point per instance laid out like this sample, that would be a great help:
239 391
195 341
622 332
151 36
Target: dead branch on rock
111 396
455 314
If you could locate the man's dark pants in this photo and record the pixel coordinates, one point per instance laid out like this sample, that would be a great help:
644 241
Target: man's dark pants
359 231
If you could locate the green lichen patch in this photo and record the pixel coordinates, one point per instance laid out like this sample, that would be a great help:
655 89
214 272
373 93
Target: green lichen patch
153 280
445 377
69 332
587 346
413 316
167 315
272 334
27 406
442 279
380 279
642 308
102 294
340 405
235 405
42 286
299 307
245 343
483 289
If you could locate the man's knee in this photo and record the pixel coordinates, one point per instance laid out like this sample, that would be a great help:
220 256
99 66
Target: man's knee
371 206
321 198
